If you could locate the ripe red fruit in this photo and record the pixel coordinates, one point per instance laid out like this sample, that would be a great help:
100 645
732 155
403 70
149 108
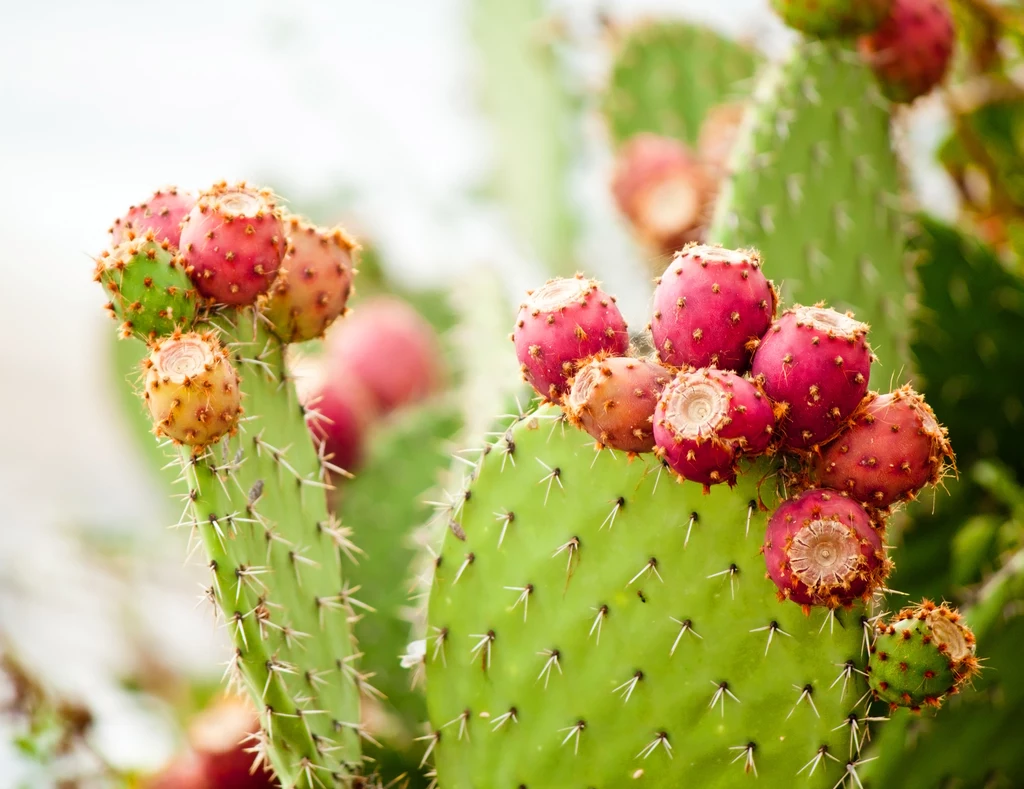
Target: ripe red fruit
162 212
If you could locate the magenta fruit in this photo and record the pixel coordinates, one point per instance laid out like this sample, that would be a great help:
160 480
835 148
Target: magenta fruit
891 449
706 419
162 213
232 242
390 348
661 187
314 282
709 306
822 548
559 325
613 399
192 389
815 363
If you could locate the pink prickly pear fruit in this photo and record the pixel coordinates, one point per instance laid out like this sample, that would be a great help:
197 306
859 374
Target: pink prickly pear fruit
314 282
392 349
892 447
560 324
340 411
232 242
661 187
706 419
822 548
191 389
911 51
613 399
709 306
162 212
814 363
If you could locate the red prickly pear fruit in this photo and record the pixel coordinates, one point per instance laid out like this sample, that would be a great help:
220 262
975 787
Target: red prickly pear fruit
706 419
232 242
814 363
709 305
191 389
613 399
392 349
822 548
911 51
314 282
660 185
832 18
891 449
560 324
340 411
162 212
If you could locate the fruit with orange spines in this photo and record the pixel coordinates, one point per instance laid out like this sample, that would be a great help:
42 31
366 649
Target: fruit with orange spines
162 212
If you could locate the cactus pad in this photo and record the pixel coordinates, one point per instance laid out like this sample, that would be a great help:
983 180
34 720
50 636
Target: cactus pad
594 624
815 190
667 75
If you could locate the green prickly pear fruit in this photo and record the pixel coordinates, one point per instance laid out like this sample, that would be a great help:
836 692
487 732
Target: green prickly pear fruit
832 18
922 655
149 291
613 399
191 389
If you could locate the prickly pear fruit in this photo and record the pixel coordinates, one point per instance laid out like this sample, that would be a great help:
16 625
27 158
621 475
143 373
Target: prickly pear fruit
390 348
560 324
912 50
920 656
148 288
709 305
314 283
232 242
832 18
891 449
613 399
661 187
162 213
821 548
341 412
192 389
817 362
706 419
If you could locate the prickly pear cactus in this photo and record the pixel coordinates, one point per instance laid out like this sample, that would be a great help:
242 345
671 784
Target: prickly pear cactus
593 623
815 186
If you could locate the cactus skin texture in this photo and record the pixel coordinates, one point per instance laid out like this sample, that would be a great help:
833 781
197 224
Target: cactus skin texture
596 627
613 399
708 307
817 363
667 75
315 283
149 291
832 18
912 50
922 655
192 389
162 213
824 549
232 241
891 449
257 502
562 323
815 189
662 188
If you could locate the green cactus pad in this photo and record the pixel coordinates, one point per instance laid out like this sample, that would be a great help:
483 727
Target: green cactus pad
830 18
148 289
667 75
258 503
595 624
815 187
924 654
